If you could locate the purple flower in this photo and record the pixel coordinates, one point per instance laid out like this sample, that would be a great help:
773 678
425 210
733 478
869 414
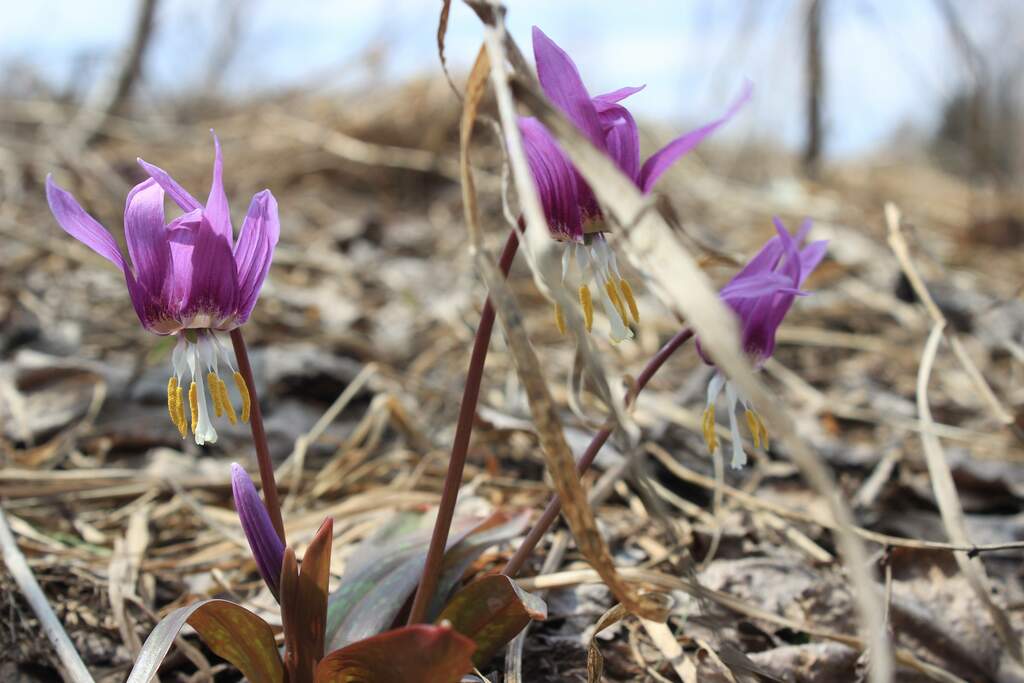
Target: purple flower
266 545
760 294
572 211
187 277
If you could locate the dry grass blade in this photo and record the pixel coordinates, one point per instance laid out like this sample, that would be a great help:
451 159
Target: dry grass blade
595 662
663 638
442 30
124 574
651 242
899 246
539 249
294 464
949 502
74 667
475 88
557 453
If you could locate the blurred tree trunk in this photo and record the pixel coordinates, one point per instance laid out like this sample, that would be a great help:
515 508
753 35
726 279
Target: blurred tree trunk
110 94
815 86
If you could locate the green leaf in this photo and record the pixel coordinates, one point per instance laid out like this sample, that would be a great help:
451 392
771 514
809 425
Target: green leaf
386 568
492 611
230 630
421 653
304 604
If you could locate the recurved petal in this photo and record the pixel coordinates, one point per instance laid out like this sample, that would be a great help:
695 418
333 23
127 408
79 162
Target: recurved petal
217 211
146 235
561 82
660 161
758 285
176 192
790 265
555 178
255 250
617 95
810 257
266 545
80 225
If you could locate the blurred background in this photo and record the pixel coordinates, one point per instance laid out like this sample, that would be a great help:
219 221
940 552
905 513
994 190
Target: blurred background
921 73
342 110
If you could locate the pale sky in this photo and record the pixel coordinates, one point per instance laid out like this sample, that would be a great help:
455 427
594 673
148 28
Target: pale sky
888 62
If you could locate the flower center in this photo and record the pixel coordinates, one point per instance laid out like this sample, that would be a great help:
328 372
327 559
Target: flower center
595 262
198 355
758 431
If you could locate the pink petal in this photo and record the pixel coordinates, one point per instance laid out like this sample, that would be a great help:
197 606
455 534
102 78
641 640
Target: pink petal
555 178
660 161
217 211
255 249
176 192
562 84
214 285
622 138
617 95
80 225
146 236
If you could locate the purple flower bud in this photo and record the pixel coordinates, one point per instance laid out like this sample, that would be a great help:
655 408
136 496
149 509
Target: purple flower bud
266 545
188 277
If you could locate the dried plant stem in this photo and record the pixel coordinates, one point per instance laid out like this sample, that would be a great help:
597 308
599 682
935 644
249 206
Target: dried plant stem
515 564
74 667
460 446
259 435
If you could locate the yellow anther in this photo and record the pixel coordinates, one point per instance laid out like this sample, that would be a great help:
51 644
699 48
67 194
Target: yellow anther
179 412
627 294
243 391
764 432
588 307
225 400
710 436
613 294
193 405
172 393
754 424
214 381
560 319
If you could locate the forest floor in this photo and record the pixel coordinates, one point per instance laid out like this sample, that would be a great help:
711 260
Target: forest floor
373 289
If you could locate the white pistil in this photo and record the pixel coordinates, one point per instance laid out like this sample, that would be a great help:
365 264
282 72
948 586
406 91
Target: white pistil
203 427
739 456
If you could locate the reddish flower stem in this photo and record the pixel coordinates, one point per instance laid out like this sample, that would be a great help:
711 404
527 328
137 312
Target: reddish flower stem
460 446
259 435
515 564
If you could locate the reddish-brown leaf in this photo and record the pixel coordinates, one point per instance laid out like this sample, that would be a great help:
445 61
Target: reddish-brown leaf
421 653
492 611
230 630
304 605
